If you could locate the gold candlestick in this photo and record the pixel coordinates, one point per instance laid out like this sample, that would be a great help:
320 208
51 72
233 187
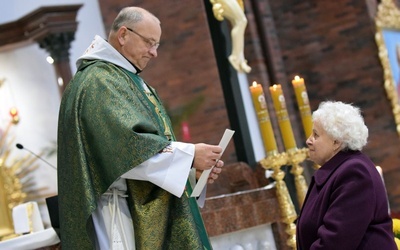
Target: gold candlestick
286 207
296 157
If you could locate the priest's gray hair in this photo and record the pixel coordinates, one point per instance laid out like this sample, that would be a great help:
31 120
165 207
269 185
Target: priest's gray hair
130 16
343 122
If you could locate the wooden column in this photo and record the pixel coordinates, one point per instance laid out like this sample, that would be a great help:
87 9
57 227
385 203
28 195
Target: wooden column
58 46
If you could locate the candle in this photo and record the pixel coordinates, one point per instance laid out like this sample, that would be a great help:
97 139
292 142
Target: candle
185 131
304 104
260 105
283 117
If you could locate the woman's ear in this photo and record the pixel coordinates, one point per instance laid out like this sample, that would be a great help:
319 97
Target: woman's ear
337 145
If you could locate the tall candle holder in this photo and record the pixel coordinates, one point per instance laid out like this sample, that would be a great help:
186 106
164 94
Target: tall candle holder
286 207
295 157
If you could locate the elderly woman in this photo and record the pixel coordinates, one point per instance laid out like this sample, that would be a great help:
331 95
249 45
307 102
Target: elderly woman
346 205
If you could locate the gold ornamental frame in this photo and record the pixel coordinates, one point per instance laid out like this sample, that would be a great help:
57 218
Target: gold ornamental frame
387 23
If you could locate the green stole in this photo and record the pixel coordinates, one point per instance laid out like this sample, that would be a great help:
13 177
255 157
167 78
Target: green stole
182 224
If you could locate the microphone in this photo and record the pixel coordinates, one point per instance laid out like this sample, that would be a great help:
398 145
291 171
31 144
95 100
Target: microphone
19 146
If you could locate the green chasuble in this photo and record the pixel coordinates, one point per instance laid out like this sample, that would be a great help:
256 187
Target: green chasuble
107 126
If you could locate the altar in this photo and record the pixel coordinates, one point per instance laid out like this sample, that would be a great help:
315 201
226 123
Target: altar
28 230
242 211
244 219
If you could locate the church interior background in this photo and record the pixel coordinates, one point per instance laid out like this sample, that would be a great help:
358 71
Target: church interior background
343 50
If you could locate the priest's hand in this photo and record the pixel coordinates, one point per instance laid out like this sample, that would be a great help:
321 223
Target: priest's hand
206 156
214 173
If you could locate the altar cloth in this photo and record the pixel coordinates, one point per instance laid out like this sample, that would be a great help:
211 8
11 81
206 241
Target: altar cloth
43 238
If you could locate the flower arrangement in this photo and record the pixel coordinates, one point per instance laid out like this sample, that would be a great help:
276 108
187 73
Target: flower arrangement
396 231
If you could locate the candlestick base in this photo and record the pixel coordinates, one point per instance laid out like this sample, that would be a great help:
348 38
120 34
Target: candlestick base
295 157
286 207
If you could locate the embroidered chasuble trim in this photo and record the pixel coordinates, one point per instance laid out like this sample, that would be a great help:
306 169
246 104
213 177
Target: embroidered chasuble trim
154 100
152 97
197 218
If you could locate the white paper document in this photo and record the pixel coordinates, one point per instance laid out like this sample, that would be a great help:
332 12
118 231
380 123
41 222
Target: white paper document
204 176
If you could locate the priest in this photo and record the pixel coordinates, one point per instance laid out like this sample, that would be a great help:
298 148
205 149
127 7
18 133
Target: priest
123 180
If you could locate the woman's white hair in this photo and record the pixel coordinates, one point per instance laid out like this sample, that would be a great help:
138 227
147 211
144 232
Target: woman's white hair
343 122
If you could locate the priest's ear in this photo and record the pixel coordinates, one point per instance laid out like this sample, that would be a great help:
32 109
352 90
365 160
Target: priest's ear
122 35
118 38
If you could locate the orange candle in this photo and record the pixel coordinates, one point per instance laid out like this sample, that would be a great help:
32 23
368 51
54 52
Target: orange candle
264 122
283 117
304 104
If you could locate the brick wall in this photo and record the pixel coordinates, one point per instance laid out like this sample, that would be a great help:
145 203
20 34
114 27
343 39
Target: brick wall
332 45
185 69
328 43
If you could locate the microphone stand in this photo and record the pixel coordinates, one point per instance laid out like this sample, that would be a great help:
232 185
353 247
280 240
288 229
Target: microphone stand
19 146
